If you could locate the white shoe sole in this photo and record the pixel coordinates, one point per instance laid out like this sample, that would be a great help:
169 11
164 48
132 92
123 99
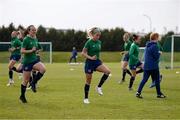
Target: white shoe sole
86 102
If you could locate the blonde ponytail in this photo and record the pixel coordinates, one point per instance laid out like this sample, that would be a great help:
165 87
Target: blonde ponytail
93 31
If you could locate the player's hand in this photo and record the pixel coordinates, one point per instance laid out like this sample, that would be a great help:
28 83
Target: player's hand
11 49
18 48
160 52
33 49
37 51
94 57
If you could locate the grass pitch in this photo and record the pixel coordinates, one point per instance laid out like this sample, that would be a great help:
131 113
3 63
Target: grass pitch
60 96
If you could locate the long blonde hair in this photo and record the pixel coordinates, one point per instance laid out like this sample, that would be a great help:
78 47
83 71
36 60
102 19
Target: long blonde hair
126 36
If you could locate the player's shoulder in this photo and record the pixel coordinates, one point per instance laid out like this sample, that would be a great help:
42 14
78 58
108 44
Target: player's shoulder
26 38
88 40
17 40
99 41
133 44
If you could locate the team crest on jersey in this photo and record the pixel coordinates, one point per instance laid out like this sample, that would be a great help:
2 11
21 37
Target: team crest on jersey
26 68
89 70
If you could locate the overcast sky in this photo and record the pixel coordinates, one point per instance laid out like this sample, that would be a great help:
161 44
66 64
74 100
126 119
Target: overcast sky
83 14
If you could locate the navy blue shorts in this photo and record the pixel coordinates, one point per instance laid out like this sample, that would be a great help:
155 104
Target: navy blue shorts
91 65
29 67
15 57
133 67
126 57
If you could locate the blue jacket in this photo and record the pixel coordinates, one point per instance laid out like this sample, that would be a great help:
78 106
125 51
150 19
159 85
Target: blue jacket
74 53
151 56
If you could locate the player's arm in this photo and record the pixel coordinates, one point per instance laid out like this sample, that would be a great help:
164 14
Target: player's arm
155 53
40 49
12 49
84 54
24 51
123 52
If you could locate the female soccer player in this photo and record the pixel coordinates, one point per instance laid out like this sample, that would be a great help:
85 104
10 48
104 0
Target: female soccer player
127 45
91 52
134 61
151 65
30 61
15 55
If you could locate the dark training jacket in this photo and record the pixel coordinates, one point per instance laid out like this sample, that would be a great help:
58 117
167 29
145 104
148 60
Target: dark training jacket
151 56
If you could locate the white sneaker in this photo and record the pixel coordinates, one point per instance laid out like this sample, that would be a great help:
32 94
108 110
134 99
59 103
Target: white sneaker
28 88
10 82
86 101
99 90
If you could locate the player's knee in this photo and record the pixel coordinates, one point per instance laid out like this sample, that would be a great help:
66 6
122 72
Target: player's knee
10 67
107 72
25 81
42 70
88 81
20 70
124 69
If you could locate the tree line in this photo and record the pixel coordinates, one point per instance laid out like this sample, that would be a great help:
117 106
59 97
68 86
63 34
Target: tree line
64 40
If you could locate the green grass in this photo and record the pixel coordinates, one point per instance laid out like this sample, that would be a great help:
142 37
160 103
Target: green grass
60 96
61 57
105 56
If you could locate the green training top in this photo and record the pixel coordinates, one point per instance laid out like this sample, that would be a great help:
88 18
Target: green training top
39 46
16 43
28 44
159 46
127 45
93 47
134 54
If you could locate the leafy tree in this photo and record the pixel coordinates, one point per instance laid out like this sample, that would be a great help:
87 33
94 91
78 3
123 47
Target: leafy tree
41 34
64 40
